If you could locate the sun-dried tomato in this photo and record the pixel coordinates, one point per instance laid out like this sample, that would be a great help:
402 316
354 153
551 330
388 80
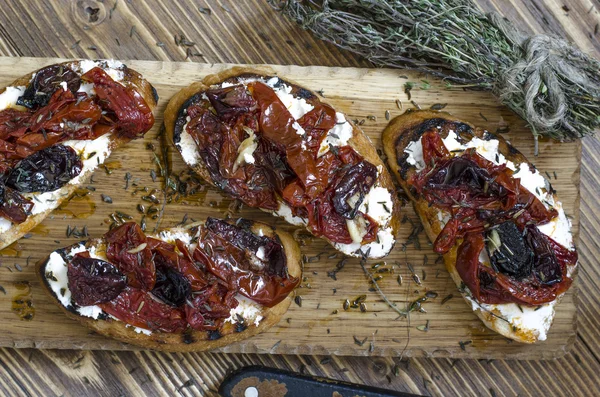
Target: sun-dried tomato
132 116
210 307
171 287
45 82
13 206
127 248
189 290
46 170
139 309
92 281
237 267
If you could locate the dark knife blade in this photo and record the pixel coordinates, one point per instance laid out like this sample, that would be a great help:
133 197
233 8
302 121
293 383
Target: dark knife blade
257 381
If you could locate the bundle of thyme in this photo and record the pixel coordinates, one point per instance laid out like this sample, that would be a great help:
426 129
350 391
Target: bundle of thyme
544 79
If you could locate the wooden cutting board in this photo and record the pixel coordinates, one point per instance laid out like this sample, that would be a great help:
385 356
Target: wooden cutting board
320 325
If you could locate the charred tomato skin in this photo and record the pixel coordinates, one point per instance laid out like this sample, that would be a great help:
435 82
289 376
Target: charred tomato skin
45 82
171 286
46 170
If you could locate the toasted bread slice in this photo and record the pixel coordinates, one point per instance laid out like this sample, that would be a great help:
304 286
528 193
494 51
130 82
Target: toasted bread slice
175 123
257 318
92 152
401 142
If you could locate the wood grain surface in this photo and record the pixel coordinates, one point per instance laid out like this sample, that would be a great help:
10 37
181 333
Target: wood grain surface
320 325
250 32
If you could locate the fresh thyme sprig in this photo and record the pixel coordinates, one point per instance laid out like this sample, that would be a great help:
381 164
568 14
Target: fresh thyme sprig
544 79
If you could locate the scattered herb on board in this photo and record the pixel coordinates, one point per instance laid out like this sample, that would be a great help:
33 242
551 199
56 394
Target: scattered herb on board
424 328
325 361
463 344
456 41
380 291
447 298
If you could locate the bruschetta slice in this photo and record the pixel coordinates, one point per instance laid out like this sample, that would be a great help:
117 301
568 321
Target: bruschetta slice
192 288
57 126
496 220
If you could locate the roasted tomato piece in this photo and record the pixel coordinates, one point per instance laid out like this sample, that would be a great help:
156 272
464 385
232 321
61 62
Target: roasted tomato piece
131 114
467 262
278 126
182 262
231 102
171 286
136 307
238 268
209 133
323 219
13 206
46 82
210 307
127 248
240 236
357 181
434 149
93 281
46 170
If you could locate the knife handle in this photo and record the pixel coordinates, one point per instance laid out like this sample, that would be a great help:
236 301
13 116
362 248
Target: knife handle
258 381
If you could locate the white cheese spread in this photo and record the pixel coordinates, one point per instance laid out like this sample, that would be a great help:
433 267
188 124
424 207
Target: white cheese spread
59 283
339 135
8 98
187 146
247 309
535 320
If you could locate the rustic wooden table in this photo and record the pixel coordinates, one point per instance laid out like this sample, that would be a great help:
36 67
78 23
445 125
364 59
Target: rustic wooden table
250 32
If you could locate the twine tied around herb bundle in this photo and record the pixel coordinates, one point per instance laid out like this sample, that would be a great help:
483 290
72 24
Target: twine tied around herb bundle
544 79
